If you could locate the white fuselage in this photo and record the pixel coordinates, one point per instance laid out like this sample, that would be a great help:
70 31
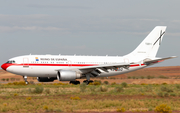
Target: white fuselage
47 65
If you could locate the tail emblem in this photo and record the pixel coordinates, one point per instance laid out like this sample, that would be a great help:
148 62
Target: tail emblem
161 34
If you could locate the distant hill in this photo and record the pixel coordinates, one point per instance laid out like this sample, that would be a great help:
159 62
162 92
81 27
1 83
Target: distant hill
170 71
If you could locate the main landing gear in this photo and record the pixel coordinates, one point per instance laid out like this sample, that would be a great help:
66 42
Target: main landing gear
25 79
78 82
88 81
74 82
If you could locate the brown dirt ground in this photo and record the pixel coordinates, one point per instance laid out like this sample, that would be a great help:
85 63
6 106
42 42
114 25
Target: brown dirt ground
103 112
100 97
109 112
116 112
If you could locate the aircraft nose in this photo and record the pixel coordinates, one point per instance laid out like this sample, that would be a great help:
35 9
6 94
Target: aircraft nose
4 66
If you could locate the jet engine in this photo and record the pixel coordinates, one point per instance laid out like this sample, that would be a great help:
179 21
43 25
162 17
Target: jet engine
67 75
46 79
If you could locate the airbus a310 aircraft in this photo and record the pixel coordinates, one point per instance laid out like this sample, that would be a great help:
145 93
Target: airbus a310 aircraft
48 68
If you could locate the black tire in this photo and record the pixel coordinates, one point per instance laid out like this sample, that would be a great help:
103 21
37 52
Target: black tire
70 82
77 82
91 81
74 82
86 82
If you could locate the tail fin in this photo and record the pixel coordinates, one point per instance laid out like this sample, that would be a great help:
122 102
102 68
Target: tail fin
150 45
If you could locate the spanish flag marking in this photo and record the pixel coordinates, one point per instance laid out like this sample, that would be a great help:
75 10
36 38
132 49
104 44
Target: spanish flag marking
36 58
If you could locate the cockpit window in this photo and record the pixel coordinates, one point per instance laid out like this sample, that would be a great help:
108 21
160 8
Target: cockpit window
11 61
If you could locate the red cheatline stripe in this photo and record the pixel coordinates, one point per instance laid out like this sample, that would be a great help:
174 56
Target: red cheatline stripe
133 65
77 65
60 64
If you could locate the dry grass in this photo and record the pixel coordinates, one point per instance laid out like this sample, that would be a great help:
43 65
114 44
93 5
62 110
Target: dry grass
36 104
69 98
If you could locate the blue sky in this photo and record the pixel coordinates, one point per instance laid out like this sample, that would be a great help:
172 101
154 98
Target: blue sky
86 27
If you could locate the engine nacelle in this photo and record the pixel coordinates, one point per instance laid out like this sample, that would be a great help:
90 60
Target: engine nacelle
46 79
68 75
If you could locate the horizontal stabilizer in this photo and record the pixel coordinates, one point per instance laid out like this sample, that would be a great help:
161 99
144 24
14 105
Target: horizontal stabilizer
148 62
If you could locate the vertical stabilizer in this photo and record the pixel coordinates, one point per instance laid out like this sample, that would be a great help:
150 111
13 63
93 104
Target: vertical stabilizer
149 46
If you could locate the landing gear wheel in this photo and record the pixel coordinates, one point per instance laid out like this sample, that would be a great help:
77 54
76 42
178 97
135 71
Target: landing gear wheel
77 82
90 81
27 83
87 82
74 82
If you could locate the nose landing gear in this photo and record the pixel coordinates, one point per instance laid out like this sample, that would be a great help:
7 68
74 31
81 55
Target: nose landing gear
25 79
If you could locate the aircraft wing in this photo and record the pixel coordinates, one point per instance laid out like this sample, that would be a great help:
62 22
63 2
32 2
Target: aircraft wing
106 66
95 69
148 62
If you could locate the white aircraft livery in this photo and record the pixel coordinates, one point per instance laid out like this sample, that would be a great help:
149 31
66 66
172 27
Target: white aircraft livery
48 68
